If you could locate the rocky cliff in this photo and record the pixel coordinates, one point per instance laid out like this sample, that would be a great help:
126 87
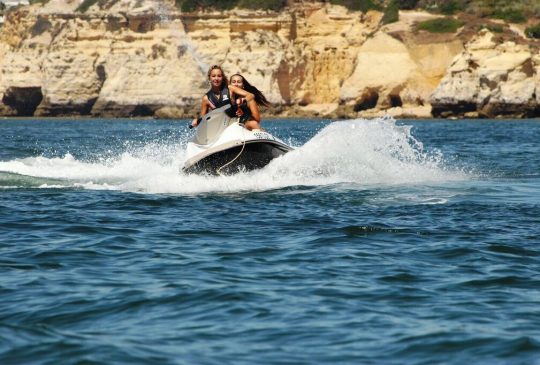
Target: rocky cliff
490 78
146 58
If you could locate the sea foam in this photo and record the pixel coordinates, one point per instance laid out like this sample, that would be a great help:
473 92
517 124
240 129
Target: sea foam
354 152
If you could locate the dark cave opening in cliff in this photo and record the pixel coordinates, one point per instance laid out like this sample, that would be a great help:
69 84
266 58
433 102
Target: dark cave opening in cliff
456 110
142 111
24 100
395 101
368 101
101 73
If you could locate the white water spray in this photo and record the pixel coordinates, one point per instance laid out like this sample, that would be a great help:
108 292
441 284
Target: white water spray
163 12
357 153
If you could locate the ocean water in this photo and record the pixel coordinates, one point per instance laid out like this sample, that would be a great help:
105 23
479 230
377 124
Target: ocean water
373 242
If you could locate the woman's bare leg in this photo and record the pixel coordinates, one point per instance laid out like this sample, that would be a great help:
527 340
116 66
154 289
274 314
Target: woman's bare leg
252 124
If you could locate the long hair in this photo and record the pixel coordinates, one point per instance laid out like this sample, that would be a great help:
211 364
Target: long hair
224 83
260 99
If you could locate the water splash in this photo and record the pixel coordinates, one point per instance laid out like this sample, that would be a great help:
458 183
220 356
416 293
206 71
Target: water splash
366 152
357 153
163 12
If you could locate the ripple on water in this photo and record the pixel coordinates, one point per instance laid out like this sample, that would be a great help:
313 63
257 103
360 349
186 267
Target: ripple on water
500 282
513 250
464 346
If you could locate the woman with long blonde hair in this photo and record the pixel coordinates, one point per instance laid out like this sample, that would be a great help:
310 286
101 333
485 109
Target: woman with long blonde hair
220 93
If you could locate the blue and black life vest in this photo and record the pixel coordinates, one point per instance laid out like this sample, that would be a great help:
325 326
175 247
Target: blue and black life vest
224 97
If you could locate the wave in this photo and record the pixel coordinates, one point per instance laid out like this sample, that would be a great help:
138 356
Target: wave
355 153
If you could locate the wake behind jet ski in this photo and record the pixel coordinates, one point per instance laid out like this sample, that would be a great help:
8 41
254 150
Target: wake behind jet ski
223 146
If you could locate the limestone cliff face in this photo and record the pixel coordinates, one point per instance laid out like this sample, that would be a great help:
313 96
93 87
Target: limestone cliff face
104 62
490 79
145 58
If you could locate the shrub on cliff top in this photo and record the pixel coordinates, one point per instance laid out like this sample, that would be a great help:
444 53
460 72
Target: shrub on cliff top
451 7
358 5
194 5
408 4
391 13
509 15
512 11
186 6
275 5
447 7
494 28
440 25
533 32
85 5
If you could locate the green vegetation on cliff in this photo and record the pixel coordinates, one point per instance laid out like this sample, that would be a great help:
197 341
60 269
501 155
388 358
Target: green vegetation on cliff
359 5
440 25
391 12
533 32
85 5
516 11
493 28
275 5
195 5
510 15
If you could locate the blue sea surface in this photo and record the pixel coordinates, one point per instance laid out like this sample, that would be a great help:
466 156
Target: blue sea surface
373 242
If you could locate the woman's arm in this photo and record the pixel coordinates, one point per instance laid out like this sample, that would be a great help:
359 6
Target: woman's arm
204 105
204 110
250 99
235 90
254 109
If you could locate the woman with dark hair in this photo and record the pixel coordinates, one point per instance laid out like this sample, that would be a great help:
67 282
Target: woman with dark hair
249 114
220 93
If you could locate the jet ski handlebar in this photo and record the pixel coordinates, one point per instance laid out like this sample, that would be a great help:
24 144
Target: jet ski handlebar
199 120
230 110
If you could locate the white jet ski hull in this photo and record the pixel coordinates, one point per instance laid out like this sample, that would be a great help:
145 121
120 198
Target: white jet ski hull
223 146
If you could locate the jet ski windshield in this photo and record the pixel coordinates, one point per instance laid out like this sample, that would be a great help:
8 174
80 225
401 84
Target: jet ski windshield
212 125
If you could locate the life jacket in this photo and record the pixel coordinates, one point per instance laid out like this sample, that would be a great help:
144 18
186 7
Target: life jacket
224 98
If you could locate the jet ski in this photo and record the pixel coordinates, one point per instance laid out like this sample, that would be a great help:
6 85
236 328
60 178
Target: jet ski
222 146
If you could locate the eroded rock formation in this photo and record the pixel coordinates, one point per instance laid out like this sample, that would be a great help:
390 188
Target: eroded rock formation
146 58
490 79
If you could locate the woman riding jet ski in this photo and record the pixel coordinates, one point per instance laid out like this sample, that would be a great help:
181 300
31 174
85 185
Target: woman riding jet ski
228 139
223 146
